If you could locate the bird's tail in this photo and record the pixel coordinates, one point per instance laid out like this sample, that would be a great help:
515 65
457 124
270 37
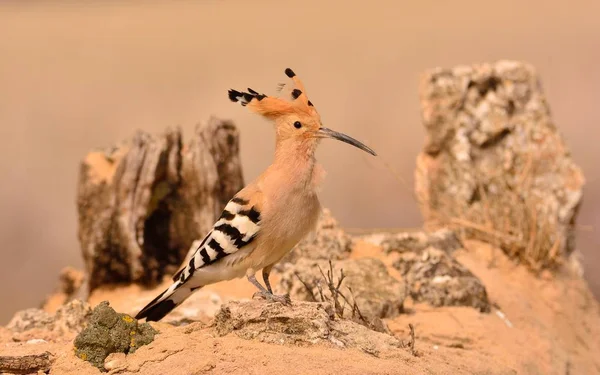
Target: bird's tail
172 297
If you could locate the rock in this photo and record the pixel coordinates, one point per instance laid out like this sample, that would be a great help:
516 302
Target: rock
348 334
110 332
145 335
443 239
68 320
72 317
115 361
328 241
435 277
377 294
274 322
304 323
29 319
430 270
494 163
142 203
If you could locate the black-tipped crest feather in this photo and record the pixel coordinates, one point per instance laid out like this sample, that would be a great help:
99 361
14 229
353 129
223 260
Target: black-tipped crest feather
296 93
234 95
290 73
245 97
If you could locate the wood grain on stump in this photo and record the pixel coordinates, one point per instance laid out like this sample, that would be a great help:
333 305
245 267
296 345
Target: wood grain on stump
143 202
26 364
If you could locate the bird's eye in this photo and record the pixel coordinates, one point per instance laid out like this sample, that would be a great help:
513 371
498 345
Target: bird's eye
297 125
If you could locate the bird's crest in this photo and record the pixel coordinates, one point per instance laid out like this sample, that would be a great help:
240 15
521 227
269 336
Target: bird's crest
273 107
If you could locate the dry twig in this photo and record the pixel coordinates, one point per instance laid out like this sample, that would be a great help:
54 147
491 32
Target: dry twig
334 286
411 342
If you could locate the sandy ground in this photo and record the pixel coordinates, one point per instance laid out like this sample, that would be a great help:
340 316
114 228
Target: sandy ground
539 325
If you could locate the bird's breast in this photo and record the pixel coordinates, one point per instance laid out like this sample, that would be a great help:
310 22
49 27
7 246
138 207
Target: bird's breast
287 223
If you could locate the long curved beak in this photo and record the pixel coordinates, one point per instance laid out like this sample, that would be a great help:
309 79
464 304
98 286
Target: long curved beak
328 133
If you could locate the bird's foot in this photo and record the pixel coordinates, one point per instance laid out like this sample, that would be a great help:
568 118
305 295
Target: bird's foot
283 299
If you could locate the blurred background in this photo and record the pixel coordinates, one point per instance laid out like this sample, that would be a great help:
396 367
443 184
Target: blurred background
75 76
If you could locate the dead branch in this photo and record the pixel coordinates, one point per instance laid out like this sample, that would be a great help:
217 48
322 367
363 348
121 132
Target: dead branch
308 289
26 364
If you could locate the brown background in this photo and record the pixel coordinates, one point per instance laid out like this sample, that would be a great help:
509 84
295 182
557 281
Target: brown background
78 76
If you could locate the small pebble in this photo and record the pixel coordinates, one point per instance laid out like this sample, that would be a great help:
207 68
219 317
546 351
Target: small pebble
36 341
114 361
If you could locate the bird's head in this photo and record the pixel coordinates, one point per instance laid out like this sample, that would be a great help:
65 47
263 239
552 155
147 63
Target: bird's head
296 119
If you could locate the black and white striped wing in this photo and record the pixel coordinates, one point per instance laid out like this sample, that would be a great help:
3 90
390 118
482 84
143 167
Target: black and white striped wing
236 228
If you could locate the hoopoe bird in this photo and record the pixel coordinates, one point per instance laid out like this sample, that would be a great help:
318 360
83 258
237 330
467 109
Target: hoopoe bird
268 217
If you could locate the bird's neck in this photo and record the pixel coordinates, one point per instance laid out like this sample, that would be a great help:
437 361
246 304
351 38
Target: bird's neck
296 163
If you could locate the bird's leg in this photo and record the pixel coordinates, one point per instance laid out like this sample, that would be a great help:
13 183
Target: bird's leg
285 298
265 273
268 293
255 282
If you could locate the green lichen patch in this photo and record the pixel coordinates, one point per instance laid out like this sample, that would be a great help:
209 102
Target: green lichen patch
111 332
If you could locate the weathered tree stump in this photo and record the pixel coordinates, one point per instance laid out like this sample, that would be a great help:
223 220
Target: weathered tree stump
142 203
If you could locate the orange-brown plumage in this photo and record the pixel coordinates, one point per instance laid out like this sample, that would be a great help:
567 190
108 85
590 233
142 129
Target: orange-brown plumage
269 216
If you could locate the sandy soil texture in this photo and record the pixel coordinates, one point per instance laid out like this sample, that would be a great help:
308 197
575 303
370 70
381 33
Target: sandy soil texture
537 325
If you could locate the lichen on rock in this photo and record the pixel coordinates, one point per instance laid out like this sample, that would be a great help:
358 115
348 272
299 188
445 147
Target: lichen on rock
32 318
435 277
110 332
494 163
33 323
443 239
431 273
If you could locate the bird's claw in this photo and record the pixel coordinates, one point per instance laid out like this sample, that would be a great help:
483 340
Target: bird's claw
283 299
